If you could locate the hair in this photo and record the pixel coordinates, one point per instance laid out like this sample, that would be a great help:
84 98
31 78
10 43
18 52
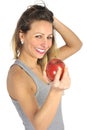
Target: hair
31 14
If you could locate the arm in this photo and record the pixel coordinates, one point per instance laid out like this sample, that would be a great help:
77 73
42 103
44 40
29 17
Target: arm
25 96
72 42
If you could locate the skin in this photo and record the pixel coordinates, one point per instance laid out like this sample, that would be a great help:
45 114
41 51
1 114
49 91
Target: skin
21 87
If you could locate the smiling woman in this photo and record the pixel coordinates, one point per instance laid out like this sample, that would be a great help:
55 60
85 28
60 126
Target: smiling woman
40 39
36 99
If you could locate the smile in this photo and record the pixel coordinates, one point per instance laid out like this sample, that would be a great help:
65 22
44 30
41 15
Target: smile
41 51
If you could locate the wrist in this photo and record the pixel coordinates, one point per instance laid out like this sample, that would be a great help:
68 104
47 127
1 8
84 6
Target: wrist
56 90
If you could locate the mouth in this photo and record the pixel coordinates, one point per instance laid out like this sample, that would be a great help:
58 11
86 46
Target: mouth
41 51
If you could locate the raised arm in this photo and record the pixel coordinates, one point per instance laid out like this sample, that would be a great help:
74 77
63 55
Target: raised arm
72 42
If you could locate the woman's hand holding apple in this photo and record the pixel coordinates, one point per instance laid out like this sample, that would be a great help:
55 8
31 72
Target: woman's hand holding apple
64 83
58 74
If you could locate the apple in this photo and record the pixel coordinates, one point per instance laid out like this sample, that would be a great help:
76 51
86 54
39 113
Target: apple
52 68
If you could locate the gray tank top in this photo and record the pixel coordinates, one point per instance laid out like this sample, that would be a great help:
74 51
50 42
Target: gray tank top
41 95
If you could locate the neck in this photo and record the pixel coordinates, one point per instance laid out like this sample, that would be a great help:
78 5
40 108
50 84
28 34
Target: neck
29 61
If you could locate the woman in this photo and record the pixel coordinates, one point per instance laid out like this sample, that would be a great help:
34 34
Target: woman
38 101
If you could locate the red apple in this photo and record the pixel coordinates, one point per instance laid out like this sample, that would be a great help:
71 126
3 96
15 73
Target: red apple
52 68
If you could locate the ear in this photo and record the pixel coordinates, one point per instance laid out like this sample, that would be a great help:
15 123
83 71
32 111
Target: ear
21 36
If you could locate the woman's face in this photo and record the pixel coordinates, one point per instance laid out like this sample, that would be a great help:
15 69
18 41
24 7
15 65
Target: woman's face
38 39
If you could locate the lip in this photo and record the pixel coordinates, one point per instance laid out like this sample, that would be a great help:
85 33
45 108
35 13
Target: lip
41 51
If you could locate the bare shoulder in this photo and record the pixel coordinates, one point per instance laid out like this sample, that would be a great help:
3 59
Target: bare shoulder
19 82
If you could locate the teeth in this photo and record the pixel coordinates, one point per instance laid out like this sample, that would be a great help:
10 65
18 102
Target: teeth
40 50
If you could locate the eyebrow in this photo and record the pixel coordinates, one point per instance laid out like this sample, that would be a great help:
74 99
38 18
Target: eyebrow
43 33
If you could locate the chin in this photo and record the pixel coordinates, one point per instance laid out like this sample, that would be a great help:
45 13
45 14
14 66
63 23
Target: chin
40 56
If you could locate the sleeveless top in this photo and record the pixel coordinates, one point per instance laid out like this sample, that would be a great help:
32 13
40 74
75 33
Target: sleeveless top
41 95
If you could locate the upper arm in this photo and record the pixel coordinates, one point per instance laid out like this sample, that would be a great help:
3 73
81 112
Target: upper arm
65 52
20 87
27 102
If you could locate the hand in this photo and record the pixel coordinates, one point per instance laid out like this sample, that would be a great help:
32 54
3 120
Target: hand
64 83
56 22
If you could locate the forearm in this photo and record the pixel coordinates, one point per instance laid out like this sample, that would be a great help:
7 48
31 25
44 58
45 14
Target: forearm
70 38
45 115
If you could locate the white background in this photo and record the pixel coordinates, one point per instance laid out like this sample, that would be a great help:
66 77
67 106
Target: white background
73 14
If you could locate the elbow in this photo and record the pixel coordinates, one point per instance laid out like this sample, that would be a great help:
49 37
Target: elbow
40 126
80 45
76 48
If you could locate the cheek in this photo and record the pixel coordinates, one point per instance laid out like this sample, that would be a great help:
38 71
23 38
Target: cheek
50 45
31 43
34 42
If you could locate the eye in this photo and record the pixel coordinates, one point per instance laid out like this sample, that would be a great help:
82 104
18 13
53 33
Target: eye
38 36
50 37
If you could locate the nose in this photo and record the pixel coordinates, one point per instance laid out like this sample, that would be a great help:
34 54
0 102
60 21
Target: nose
44 39
44 43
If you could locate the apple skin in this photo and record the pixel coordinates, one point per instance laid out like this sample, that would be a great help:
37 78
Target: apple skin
52 68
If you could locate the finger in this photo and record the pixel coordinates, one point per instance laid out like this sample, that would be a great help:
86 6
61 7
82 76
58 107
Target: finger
58 74
66 72
66 81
